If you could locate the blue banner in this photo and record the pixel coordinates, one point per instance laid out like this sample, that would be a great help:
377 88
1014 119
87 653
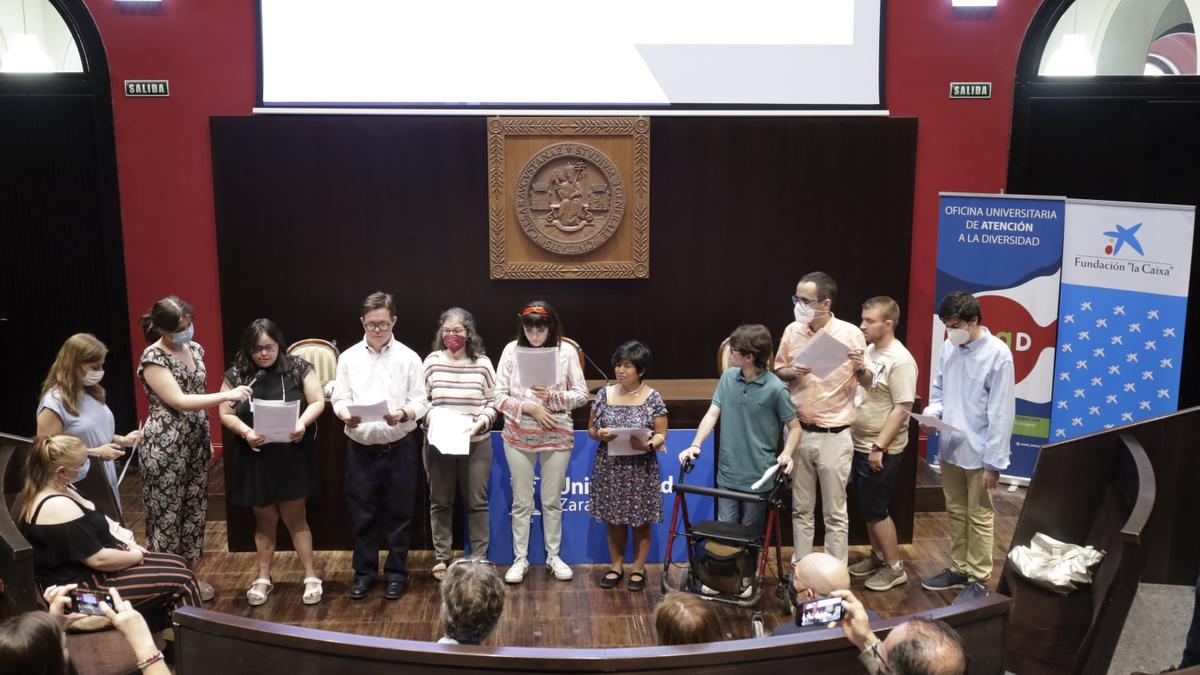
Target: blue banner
1007 251
584 539
1126 270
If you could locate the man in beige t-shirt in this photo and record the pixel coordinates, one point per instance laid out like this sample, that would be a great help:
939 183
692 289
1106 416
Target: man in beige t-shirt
880 432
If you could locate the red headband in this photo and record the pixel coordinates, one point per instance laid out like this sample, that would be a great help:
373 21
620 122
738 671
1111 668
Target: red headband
537 309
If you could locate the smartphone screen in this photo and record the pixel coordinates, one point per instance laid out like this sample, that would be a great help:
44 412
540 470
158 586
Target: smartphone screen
88 602
821 610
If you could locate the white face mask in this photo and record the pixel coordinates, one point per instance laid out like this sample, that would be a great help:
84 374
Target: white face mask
803 313
958 336
92 377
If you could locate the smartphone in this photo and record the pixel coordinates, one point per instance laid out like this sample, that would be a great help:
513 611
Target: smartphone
820 610
87 601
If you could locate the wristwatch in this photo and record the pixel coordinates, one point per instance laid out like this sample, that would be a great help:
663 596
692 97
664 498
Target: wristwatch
876 448
860 371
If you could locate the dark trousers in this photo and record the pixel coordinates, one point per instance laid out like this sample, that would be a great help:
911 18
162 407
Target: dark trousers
1191 651
381 483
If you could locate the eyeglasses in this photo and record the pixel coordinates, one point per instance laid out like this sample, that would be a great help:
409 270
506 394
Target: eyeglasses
454 331
264 349
876 649
797 300
743 352
378 326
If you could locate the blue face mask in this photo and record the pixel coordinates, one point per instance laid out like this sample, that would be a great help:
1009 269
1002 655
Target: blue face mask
184 336
83 471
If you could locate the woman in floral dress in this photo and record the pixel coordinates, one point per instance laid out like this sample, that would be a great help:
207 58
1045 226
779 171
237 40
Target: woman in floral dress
625 488
176 450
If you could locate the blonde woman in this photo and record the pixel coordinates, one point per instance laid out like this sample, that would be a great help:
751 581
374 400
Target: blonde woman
73 403
72 543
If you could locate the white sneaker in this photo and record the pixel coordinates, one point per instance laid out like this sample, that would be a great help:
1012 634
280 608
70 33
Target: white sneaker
559 569
516 573
709 591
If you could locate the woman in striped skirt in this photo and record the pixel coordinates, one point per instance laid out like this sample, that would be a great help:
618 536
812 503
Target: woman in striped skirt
72 542
459 379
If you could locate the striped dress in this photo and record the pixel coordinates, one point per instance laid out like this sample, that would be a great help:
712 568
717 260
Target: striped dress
156 586
462 386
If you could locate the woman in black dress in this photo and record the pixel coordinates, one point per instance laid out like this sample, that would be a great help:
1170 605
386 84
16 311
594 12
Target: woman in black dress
275 478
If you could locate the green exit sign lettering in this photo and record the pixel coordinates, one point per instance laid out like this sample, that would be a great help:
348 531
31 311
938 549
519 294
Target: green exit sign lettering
147 88
970 90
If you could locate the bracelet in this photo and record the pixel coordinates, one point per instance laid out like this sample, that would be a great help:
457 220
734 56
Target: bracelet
246 433
142 665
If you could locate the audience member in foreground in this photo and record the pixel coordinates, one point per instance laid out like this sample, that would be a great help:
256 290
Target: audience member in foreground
472 601
916 647
815 575
73 544
34 642
684 619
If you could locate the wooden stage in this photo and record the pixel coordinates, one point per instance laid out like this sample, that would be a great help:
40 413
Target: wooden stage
540 612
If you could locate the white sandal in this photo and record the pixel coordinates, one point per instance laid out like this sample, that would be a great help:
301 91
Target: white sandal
256 597
312 597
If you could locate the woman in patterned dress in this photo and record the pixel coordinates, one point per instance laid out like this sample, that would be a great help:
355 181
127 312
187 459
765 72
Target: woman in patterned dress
625 488
175 452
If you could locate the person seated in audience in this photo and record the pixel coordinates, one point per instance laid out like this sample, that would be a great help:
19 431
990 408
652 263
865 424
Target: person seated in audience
815 575
73 544
684 619
34 642
918 646
472 601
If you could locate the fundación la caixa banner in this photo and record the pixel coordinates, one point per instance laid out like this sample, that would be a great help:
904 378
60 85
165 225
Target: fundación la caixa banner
1126 268
1007 251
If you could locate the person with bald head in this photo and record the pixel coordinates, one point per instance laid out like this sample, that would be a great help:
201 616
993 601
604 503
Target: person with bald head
918 646
816 575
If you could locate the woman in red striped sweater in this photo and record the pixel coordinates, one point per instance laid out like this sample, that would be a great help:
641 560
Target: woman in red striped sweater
537 427
459 378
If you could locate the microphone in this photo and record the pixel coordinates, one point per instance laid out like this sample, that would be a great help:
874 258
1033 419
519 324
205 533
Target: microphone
598 369
236 405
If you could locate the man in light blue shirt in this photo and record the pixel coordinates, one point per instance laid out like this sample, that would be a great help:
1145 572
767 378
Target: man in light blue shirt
973 391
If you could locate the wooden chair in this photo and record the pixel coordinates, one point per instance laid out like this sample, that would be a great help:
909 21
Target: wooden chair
723 358
578 351
322 354
1095 490
100 653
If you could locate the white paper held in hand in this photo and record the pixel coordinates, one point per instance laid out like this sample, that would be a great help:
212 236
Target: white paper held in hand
371 412
823 354
450 431
931 421
275 420
621 445
537 366
770 472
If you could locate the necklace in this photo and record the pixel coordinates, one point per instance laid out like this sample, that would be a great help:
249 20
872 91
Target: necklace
625 392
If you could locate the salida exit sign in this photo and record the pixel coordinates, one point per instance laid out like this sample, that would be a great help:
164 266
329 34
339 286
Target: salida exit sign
970 90
147 88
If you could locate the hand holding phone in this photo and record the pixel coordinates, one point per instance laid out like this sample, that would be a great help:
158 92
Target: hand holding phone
821 610
86 601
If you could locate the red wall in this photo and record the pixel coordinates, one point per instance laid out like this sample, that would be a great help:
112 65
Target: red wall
207 51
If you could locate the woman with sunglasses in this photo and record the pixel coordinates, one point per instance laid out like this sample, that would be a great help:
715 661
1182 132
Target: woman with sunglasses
538 428
275 478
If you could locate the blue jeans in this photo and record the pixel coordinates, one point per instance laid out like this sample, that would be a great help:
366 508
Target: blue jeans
751 514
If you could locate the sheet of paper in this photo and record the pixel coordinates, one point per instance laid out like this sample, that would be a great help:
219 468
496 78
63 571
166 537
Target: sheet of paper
275 420
449 431
371 412
765 477
931 421
621 445
537 366
823 355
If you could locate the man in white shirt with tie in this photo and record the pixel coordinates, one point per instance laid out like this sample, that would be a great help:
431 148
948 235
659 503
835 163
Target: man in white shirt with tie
382 459
973 391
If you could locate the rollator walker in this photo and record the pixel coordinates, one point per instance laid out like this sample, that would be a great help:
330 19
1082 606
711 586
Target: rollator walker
727 562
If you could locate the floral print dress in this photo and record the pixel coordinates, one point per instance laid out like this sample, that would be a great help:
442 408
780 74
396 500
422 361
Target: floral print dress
174 458
625 488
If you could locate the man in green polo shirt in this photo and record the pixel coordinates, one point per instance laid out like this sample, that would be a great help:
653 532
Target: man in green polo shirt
752 405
